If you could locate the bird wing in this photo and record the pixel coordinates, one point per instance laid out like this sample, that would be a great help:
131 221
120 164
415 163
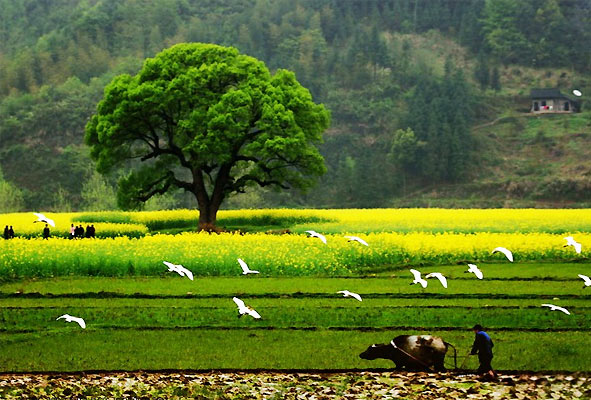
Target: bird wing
321 237
80 322
439 276
417 274
50 222
556 308
252 312
506 252
171 266
244 266
66 316
476 271
442 279
586 279
569 240
357 239
345 293
355 296
578 247
239 302
312 233
564 310
182 270
39 216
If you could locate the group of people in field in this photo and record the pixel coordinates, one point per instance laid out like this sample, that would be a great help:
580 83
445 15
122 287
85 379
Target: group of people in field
8 232
78 232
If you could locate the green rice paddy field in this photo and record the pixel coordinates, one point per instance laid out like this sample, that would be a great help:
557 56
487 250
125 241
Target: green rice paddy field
173 323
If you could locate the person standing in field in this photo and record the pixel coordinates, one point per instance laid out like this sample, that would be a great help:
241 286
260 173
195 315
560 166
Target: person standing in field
46 232
6 235
72 231
10 232
483 346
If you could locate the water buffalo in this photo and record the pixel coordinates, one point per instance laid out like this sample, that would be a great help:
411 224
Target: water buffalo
416 352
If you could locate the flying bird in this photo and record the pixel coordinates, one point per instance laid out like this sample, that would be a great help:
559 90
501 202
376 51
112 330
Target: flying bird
245 269
586 279
69 318
179 269
357 239
244 309
346 293
317 235
577 93
506 252
570 241
556 308
418 279
474 269
439 276
43 218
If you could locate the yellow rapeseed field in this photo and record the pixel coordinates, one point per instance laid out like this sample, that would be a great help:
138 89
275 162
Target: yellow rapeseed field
296 254
390 220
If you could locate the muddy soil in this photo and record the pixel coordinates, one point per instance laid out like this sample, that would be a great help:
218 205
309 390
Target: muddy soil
292 385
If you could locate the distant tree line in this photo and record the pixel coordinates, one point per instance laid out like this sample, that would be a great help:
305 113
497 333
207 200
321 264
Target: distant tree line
359 57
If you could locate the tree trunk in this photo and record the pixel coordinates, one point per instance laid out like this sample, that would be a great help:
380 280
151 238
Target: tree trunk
207 218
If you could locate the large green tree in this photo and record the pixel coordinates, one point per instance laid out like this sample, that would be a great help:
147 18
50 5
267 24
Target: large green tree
208 120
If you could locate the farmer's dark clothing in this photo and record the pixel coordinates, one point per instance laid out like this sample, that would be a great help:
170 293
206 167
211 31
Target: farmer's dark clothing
45 232
6 234
482 346
10 233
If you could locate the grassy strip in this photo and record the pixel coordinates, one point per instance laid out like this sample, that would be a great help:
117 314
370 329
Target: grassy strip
301 287
76 350
303 316
177 219
330 301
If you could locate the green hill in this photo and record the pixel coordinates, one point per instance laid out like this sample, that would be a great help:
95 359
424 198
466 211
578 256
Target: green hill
457 73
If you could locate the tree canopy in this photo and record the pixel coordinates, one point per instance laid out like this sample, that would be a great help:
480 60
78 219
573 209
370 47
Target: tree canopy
211 121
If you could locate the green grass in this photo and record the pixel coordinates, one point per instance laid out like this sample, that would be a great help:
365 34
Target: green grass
306 315
174 323
77 350
259 286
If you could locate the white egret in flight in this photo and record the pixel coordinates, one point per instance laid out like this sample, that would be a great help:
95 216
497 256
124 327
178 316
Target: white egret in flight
357 239
474 269
577 93
70 318
506 252
245 269
418 279
244 309
43 218
556 308
346 293
570 241
179 269
439 276
586 279
317 235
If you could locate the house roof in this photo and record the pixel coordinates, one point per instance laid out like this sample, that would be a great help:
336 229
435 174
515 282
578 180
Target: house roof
549 93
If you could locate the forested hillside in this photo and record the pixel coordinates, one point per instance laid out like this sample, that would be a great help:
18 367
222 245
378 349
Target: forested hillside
412 85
